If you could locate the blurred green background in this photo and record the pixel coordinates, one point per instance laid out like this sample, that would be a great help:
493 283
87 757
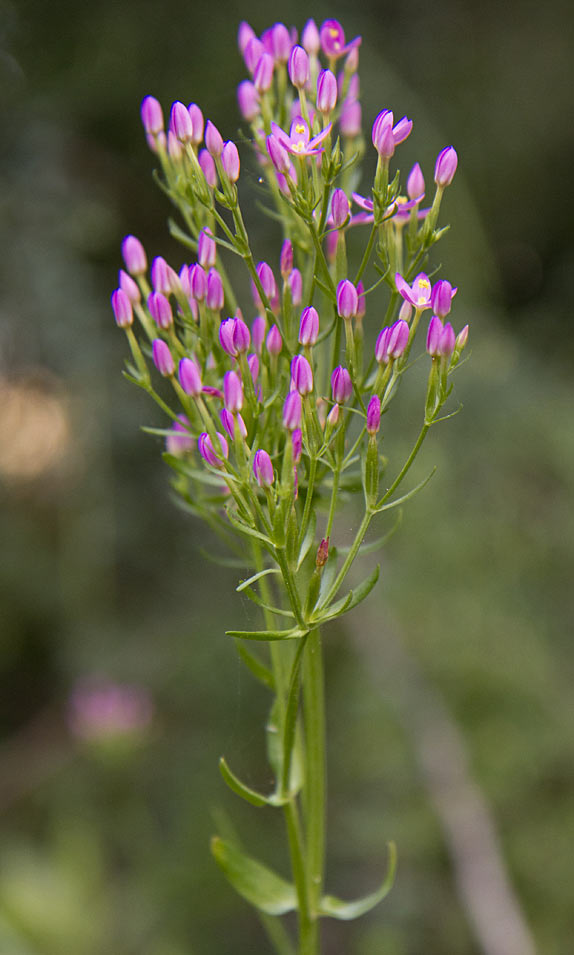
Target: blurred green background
450 702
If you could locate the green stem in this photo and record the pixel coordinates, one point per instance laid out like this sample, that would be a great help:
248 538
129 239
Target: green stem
423 433
367 255
350 557
315 780
308 498
333 503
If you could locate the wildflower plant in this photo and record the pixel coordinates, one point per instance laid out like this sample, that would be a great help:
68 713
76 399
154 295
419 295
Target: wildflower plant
276 406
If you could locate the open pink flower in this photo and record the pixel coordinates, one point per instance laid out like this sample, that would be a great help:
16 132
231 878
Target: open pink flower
298 142
332 38
418 294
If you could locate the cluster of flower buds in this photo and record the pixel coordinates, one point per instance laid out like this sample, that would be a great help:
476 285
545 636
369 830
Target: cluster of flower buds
270 403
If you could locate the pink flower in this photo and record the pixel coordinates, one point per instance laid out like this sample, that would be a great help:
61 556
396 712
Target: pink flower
297 142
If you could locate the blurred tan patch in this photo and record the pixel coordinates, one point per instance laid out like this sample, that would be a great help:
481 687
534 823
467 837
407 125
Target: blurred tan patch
35 430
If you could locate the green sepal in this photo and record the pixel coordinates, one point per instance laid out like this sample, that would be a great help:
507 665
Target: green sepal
353 598
294 634
345 911
257 884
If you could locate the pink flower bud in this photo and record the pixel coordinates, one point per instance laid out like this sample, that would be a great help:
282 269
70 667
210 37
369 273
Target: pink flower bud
174 148
434 334
214 297
253 362
160 275
258 332
179 440
447 341
292 411
462 338
309 327
122 309
280 42
441 298
381 346
197 123
274 341
310 38
248 100
286 260
206 248
232 391
350 118
134 255
252 53
130 287
180 123
347 299
299 67
398 339
301 375
263 75
152 115
374 415
297 444
162 358
326 92
160 310
267 279
339 208
213 140
416 183
245 33
405 311
278 155
362 302
230 161
445 167
234 336
341 385
208 168
190 377
263 469
231 421
208 452
296 287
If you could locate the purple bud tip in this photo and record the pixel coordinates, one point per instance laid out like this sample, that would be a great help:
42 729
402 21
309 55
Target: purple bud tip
341 385
162 358
416 183
299 67
286 261
245 33
441 298
197 123
208 168
398 339
350 118
206 249
445 168
208 452
160 310
381 353
267 279
122 308
310 38
462 338
263 469
258 332
234 336
434 334
374 415
309 327
213 140
190 377
278 155
232 391
296 287
180 123
301 375
274 341
447 341
230 161
248 100
347 299
214 297
292 411
281 43
152 116
263 74
134 255
362 303
339 208
130 287
326 92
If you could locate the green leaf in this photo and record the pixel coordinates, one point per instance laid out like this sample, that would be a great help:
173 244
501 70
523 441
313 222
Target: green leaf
293 634
345 911
246 529
239 788
261 603
251 580
259 885
353 598
255 665
405 497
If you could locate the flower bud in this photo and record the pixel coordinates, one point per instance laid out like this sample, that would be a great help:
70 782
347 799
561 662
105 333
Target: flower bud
416 183
208 168
398 339
445 167
252 53
214 297
258 332
341 385
339 208
161 278
160 310
263 469
263 75
174 148
180 123
286 260
405 311
299 67
245 33
162 358
326 92
333 417
310 38
292 411
190 377
441 298
208 452
297 444
267 279
274 341
350 118
362 303
230 161
206 248
234 336
253 363
248 100
232 391
231 421
213 140
179 440
197 123
152 115
134 255
278 155
347 299
130 287
280 42
462 338
296 287
381 346
301 375
447 341
309 327
434 334
374 415
122 308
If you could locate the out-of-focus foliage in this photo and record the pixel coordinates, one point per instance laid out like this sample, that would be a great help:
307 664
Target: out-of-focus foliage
106 849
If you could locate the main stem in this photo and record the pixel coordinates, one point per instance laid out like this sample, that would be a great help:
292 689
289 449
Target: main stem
315 785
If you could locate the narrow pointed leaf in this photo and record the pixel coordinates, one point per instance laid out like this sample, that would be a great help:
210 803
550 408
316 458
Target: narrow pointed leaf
239 788
251 580
261 603
407 496
250 531
257 884
255 665
293 634
345 911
